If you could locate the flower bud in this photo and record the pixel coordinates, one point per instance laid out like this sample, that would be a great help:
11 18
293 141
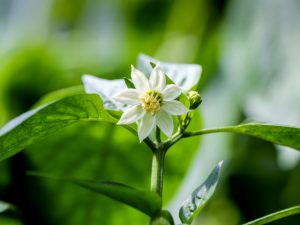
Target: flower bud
194 98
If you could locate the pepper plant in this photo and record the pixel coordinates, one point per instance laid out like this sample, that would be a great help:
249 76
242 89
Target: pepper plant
157 104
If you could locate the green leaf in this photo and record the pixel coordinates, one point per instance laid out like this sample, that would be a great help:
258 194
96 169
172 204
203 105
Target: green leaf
275 216
145 201
195 203
281 135
4 206
48 119
59 94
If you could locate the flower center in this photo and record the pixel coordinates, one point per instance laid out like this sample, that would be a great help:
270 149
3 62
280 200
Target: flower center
152 101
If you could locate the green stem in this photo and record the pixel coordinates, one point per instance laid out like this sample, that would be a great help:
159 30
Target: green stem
150 144
158 139
209 131
157 171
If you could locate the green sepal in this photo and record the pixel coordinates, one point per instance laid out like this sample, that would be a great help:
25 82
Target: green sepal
153 65
128 82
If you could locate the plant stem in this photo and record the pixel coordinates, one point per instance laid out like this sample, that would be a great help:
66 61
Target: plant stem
158 135
209 131
157 171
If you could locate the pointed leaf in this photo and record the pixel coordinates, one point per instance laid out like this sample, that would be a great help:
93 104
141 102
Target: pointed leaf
145 201
48 119
281 135
195 203
275 216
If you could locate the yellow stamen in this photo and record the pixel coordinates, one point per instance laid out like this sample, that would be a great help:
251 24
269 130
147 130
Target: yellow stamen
152 101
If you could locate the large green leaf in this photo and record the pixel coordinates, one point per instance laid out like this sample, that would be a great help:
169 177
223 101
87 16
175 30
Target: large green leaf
40 122
195 203
275 216
145 201
281 135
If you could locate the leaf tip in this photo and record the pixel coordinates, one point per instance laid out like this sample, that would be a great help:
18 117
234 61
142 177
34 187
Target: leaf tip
220 163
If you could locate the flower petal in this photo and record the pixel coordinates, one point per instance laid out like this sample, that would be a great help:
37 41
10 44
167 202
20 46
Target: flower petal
157 79
174 107
128 96
164 122
145 126
131 115
139 79
171 92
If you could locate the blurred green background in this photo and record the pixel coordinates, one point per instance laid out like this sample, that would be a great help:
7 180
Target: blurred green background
249 53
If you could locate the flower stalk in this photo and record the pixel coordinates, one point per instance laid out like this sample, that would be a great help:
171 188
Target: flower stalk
157 171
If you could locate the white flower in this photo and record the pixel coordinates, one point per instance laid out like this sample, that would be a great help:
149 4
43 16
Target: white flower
152 103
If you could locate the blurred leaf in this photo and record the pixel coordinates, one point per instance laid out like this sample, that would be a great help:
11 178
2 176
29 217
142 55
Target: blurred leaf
281 135
183 151
61 93
145 201
185 76
4 220
195 203
275 216
38 123
4 206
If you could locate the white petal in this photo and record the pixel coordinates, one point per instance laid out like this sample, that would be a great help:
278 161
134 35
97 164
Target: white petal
132 114
157 79
128 96
164 122
139 79
174 107
171 92
145 126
